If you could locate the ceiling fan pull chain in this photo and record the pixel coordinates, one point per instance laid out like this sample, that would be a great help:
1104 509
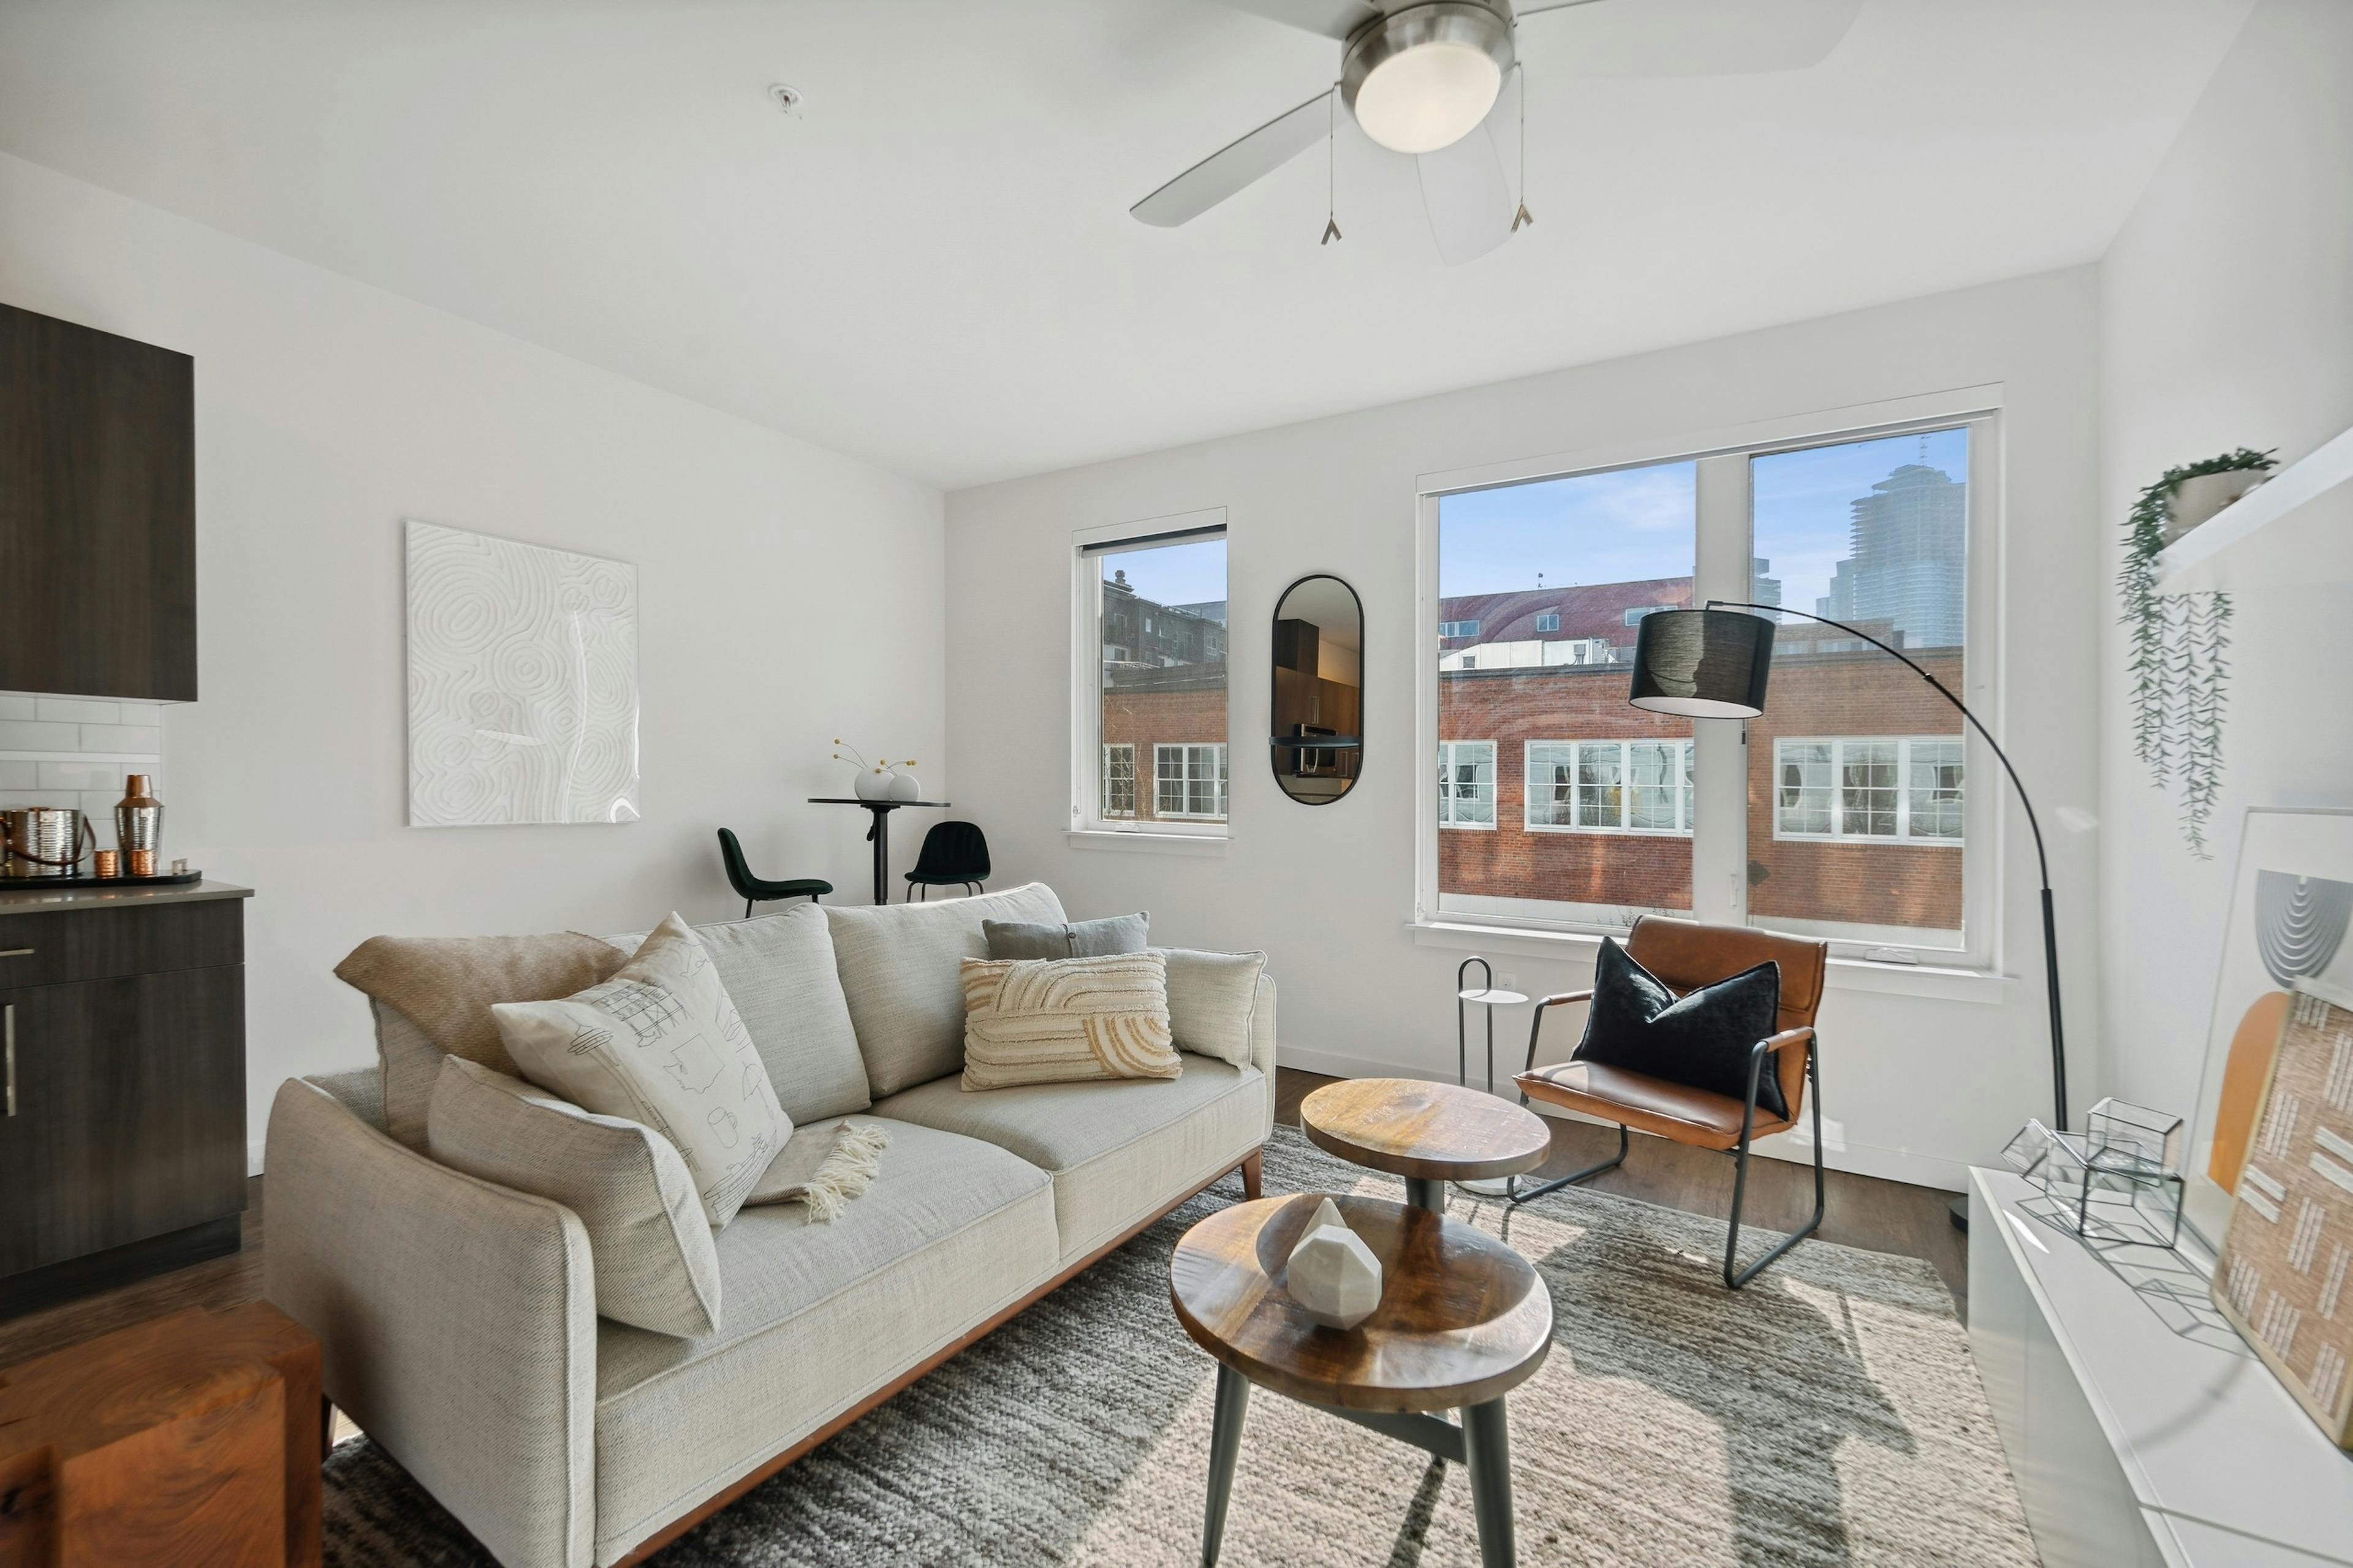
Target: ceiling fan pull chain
1522 218
1331 160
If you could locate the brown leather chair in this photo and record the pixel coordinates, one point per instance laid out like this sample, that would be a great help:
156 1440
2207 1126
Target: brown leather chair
1685 955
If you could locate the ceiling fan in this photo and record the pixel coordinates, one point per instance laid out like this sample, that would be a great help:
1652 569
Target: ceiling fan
1428 77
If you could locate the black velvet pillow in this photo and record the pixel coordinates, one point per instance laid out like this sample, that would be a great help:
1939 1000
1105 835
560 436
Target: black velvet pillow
1702 1040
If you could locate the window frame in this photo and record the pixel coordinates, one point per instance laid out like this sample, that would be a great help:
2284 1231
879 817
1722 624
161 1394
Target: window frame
1904 764
1494 786
1625 830
1220 795
1725 553
1086 758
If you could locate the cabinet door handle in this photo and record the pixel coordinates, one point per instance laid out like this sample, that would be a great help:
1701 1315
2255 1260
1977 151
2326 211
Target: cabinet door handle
15 953
8 1028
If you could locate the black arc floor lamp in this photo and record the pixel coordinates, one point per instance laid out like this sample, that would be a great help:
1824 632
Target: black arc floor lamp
1713 663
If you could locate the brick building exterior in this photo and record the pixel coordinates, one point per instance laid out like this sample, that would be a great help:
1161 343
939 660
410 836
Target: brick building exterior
1150 713
1815 696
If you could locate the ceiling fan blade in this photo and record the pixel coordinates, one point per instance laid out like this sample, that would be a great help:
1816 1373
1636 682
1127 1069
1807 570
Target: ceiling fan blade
1688 37
1463 190
1233 167
1332 18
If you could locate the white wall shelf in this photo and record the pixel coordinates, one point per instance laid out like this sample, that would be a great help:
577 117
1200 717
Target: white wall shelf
2197 559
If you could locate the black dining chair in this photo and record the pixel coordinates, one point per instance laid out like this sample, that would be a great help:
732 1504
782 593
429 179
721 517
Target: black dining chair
955 854
756 890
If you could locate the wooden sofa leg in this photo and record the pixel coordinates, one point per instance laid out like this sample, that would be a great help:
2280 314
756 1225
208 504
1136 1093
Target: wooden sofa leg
1251 1169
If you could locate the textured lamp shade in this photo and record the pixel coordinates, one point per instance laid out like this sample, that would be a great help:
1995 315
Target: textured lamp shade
1703 664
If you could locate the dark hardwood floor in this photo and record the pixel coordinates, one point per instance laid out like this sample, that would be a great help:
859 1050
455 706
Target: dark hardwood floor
1864 1211
1868 1211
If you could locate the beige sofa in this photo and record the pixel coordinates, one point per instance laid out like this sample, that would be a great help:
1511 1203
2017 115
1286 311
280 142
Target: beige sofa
460 1320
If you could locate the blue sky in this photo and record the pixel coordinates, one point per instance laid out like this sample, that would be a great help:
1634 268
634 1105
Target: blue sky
1184 573
1634 523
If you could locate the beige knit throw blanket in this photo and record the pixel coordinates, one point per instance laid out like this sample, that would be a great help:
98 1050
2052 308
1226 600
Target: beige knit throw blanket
824 1165
445 986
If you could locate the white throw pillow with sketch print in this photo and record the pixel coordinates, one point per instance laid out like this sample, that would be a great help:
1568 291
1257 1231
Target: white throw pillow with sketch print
659 1043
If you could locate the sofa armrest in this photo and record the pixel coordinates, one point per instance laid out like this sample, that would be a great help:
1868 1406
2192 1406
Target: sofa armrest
458 1319
1261 1039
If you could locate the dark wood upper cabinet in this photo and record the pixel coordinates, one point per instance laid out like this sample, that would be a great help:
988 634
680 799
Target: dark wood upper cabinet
98 513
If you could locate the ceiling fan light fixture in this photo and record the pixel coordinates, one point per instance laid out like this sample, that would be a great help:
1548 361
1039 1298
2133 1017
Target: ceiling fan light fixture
1424 77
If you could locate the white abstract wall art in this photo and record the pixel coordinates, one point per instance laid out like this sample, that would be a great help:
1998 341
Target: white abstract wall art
523 683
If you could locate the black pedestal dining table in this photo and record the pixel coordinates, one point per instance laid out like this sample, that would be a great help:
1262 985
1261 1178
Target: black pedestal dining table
878 835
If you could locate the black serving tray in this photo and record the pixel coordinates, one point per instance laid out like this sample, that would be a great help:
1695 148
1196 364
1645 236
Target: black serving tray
168 879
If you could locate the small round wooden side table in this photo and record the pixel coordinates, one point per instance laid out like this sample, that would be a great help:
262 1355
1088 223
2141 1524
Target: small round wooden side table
1429 1133
1463 1321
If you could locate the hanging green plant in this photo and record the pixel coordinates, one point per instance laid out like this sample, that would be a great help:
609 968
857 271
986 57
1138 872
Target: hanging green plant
2178 663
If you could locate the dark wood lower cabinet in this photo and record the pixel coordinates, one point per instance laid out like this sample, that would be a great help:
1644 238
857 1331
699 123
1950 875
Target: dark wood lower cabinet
123 1138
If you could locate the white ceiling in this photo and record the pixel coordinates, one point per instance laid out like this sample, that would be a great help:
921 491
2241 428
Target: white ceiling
933 268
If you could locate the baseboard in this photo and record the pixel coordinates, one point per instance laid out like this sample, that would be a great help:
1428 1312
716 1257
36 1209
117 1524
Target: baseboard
1860 1159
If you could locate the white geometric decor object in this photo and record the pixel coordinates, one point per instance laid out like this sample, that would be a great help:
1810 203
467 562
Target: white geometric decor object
1333 1276
523 683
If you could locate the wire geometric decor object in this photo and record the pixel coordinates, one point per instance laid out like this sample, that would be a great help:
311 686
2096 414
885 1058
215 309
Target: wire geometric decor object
523 683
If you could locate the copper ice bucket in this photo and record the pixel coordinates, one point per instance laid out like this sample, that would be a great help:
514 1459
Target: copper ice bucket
43 840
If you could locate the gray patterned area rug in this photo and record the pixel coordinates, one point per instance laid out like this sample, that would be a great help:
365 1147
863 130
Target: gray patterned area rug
1829 1413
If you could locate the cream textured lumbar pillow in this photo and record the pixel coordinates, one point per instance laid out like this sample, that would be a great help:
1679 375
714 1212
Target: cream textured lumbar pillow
660 1043
657 1266
1066 1020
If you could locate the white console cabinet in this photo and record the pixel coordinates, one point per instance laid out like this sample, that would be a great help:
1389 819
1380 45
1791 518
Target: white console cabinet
2140 1427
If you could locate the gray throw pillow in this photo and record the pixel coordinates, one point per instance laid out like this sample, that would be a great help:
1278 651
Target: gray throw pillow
1072 938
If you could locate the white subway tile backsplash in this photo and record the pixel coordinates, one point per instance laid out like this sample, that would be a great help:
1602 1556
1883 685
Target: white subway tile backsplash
77 751
121 738
17 735
77 711
88 776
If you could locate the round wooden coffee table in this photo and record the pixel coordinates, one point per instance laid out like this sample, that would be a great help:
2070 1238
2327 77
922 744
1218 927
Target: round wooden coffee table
1463 1320
1429 1133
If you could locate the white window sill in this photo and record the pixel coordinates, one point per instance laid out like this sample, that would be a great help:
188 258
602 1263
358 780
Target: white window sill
1213 845
1934 981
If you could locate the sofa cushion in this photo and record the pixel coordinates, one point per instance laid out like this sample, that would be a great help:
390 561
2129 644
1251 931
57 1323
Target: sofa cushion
779 969
1066 1020
661 1043
1212 997
898 966
1119 1152
647 1238
952 1232
1072 938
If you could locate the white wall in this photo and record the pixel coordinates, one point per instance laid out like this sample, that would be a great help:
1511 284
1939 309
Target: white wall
787 595
2226 310
1923 1084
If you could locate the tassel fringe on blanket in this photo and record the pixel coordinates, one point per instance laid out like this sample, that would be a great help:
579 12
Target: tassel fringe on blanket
847 1172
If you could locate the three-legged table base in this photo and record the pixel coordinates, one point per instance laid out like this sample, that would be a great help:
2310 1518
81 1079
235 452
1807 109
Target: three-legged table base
1481 1444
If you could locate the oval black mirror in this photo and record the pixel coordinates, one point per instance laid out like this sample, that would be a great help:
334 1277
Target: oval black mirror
1318 743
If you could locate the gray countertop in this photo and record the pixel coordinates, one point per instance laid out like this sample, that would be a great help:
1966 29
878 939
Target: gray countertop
28 896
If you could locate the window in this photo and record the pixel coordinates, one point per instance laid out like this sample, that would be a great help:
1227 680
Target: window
1458 628
1855 754
1588 798
1863 789
1189 781
1151 678
1841 811
1608 786
1466 783
1119 780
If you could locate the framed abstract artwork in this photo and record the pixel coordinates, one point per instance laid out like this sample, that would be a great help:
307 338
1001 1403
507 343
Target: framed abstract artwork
523 683
2291 902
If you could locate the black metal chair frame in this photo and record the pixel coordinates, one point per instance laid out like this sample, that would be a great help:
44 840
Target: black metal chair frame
1733 1276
